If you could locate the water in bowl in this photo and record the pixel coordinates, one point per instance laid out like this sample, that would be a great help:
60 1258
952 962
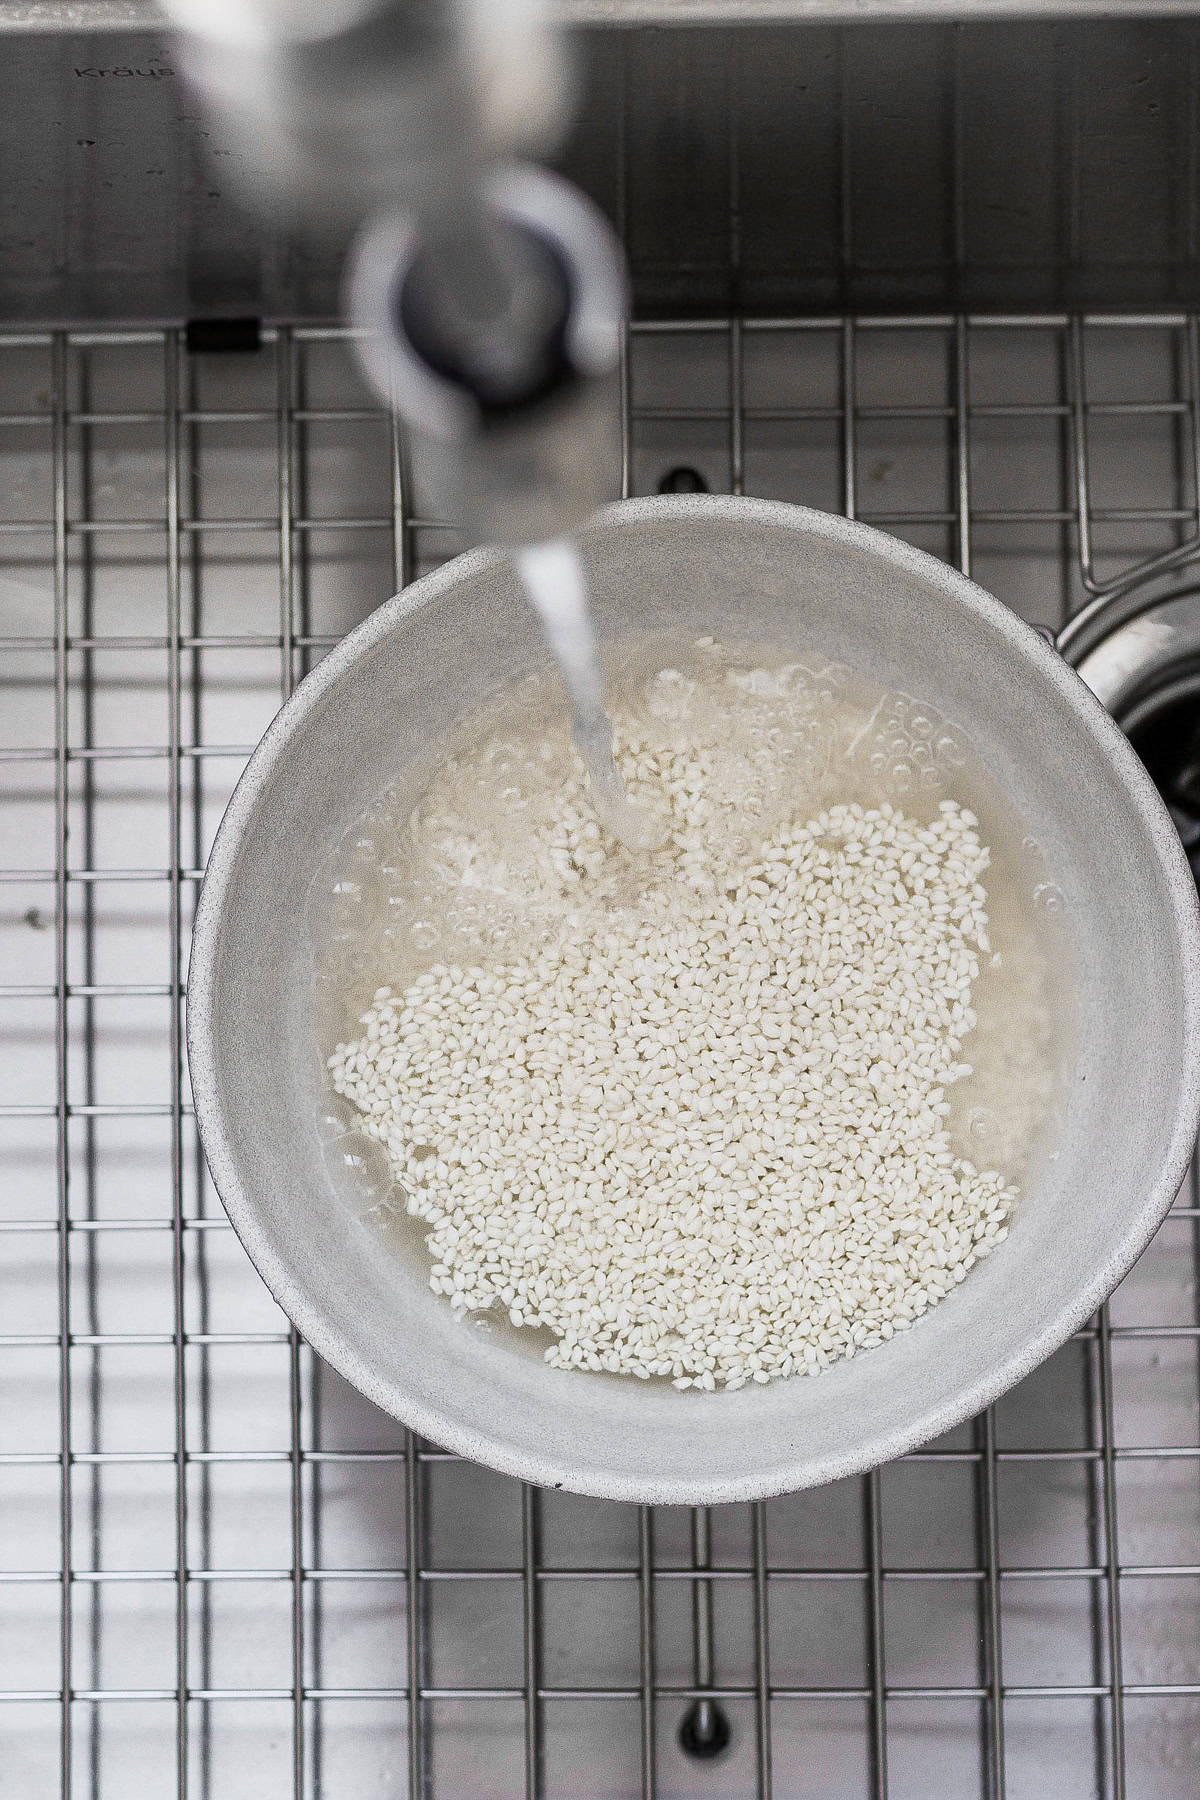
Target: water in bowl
468 872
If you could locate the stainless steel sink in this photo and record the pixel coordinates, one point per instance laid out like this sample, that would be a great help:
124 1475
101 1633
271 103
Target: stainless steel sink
222 1574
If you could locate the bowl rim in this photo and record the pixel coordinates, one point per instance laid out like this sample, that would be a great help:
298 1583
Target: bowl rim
781 1471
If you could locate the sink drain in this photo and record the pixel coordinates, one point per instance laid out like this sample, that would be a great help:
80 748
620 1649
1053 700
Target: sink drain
1146 671
1164 729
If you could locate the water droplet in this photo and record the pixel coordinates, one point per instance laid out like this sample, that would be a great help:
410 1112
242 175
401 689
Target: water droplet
351 909
1049 897
424 934
981 1124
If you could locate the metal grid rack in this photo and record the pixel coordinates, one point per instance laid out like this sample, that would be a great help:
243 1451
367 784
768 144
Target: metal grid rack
224 1574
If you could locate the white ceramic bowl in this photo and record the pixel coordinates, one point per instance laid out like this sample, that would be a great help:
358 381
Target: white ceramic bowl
750 571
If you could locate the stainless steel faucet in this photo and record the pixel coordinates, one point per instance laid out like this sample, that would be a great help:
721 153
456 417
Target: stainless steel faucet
492 294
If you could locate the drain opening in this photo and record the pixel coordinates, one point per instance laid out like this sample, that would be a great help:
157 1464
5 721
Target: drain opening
1164 728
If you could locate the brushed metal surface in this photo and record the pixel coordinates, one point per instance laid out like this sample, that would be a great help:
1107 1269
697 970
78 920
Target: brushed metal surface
144 15
770 169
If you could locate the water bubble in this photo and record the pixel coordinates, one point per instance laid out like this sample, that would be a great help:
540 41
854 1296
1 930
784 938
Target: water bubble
902 775
920 725
981 1124
360 1167
423 934
878 761
931 777
394 870
670 694
920 754
1049 897
352 909
502 756
758 682
393 947
335 1118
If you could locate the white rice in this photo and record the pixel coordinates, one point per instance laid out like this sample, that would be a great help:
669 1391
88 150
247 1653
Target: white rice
704 1140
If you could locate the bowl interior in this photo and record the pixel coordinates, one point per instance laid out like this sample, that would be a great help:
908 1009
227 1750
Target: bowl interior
742 571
